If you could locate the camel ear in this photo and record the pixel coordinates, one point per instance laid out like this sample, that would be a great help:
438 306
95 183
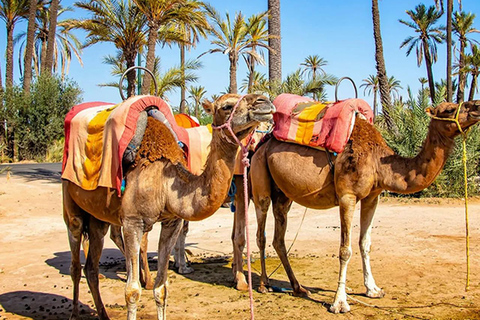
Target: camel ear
430 111
208 106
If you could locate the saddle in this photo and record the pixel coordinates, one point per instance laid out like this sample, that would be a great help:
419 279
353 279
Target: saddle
316 124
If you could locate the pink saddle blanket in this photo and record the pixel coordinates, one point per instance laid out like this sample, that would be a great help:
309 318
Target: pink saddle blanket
321 125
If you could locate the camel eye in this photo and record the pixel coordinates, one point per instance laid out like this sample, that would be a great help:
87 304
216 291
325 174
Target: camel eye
227 107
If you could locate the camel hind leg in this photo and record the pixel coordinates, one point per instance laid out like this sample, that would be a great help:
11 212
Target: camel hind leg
96 233
179 254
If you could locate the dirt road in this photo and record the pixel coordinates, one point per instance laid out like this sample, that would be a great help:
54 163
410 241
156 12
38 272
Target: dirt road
418 258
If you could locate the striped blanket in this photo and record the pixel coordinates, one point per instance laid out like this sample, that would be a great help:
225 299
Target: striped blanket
97 135
321 125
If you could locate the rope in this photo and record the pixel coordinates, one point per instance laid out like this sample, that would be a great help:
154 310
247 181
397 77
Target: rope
464 160
245 164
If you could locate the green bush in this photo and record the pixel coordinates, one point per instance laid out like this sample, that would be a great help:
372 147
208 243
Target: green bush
35 121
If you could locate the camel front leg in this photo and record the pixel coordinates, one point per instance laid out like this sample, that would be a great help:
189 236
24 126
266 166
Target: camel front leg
368 206
168 237
347 208
179 251
238 236
96 233
132 234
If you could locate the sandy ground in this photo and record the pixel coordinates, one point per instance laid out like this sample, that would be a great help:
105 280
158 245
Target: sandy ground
418 258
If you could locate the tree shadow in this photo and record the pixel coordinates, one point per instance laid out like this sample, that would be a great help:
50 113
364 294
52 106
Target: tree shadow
40 174
41 305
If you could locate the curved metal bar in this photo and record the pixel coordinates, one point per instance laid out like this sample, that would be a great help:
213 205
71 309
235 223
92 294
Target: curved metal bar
120 88
338 83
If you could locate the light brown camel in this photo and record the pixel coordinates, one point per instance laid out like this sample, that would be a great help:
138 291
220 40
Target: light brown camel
283 172
162 190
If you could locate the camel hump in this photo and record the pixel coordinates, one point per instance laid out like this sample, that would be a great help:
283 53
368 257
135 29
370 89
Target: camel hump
159 143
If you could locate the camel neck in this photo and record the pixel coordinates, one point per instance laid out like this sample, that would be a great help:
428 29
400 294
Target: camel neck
203 195
409 175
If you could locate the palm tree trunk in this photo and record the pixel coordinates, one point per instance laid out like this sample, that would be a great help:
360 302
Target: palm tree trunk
233 73
52 28
9 54
428 63
473 86
374 104
381 70
274 42
150 63
130 59
251 70
182 88
449 50
27 64
462 77
43 54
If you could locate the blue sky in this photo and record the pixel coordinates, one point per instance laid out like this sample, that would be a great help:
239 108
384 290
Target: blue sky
341 32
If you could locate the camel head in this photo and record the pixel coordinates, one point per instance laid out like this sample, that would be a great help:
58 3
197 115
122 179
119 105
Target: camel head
250 111
443 117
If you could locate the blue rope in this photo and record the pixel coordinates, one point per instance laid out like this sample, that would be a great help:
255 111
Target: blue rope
231 193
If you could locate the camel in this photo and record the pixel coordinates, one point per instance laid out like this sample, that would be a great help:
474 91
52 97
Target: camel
157 190
283 172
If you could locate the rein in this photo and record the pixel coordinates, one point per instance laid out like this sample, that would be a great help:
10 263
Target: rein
245 164
464 160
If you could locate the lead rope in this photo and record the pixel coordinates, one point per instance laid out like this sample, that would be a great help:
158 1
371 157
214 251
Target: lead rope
464 160
245 164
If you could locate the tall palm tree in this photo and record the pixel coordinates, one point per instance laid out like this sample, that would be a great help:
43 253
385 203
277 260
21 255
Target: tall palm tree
274 42
371 85
423 23
394 87
231 38
258 35
118 22
158 13
52 29
27 62
463 26
11 11
197 93
472 66
380 65
66 44
313 66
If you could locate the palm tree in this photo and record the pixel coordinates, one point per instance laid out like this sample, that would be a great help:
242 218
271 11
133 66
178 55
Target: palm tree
394 87
231 38
274 42
66 44
423 81
462 26
159 13
425 44
197 94
472 66
255 83
11 11
27 78
52 28
313 65
258 34
118 22
381 69
371 85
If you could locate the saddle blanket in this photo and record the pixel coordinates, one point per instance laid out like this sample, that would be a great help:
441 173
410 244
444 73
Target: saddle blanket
97 135
320 125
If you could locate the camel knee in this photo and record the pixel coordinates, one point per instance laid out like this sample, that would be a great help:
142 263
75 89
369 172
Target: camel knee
364 246
160 294
133 292
345 253
75 271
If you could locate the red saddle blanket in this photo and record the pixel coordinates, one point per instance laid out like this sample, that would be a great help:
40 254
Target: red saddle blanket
316 124
97 135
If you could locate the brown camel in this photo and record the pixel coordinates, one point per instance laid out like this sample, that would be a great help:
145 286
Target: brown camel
283 172
160 190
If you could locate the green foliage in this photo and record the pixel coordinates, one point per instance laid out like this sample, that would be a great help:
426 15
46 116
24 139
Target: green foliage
412 122
35 121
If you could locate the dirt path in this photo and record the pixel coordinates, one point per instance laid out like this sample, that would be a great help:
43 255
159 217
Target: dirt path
418 258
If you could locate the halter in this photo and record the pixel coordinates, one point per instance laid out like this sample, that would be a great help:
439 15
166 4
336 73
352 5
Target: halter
455 119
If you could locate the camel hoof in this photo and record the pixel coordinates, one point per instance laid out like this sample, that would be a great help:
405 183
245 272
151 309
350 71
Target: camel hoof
301 292
375 293
149 286
340 307
262 289
241 286
185 270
